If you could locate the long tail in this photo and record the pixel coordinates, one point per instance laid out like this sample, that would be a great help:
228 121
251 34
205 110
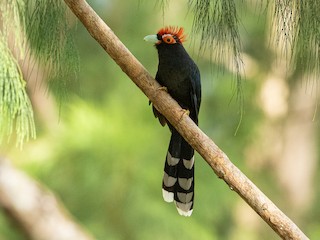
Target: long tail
178 179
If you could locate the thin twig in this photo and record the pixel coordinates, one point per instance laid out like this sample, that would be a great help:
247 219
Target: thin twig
215 157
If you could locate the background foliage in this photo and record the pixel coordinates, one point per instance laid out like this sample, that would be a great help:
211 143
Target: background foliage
102 152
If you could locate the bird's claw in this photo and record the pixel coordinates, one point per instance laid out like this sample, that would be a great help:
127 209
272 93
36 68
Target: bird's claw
163 88
184 111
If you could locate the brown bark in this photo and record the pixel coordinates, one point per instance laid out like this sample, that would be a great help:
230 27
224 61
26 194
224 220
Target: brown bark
35 209
215 157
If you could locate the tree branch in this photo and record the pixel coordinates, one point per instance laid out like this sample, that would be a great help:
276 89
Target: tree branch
35 210
215 157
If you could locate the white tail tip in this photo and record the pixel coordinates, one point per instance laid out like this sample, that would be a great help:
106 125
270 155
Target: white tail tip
167 196
183 213
184 209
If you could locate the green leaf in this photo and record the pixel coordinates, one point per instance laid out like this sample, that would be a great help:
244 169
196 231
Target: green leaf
16 115
51 37
15 107
297 28
45 27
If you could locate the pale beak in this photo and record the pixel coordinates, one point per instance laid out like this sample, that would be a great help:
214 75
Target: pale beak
151 38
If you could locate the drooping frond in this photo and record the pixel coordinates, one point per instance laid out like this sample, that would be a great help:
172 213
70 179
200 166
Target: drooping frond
297 26
50 35
42 25
16 115
216 22
15 107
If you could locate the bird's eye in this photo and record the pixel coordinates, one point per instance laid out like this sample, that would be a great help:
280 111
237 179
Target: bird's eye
169 39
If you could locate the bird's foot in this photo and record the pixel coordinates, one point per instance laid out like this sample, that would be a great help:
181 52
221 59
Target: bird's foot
163 88
184 111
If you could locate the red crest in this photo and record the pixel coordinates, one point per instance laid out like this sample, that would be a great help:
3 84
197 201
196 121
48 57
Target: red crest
177 32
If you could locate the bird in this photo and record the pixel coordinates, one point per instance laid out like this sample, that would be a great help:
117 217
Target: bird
180 77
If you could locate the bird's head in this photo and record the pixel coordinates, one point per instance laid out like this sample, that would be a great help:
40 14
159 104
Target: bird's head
167 36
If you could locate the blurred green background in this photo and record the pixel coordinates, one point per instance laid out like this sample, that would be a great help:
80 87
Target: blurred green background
102 152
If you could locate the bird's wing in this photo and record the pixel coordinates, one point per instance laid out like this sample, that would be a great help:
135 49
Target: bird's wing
156 113
195 93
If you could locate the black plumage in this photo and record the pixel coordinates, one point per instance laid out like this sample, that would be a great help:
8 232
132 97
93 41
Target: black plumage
181 77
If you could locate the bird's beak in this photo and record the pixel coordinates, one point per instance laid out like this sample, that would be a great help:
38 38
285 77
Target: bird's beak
151 38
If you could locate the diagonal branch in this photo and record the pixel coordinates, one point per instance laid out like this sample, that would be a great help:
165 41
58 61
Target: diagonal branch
215 157
35 209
